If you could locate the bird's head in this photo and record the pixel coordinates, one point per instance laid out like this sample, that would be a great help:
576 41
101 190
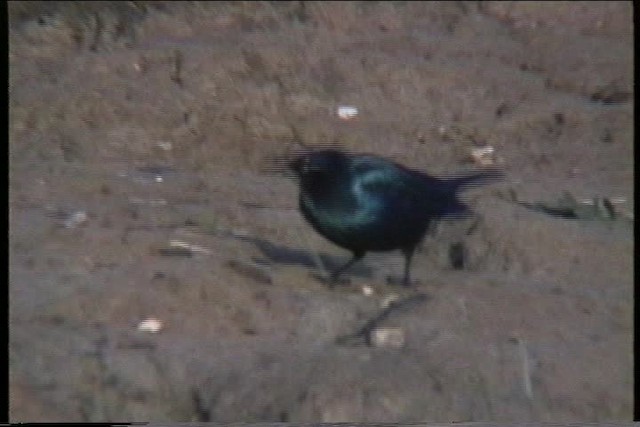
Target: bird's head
319 163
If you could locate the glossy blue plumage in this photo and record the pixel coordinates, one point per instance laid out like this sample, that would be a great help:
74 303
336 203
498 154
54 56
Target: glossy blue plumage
366 203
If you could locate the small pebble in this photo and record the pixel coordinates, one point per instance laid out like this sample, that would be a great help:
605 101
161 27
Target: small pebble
151 325
389 299
484 156
76 219
346 112
367 290
388 337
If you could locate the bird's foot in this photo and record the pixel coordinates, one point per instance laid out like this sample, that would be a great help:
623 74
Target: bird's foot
331 281
396 281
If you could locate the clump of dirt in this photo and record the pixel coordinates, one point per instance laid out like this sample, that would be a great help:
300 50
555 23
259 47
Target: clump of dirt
140 190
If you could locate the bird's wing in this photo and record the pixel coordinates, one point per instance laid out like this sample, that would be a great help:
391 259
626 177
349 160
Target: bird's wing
377 176
378 179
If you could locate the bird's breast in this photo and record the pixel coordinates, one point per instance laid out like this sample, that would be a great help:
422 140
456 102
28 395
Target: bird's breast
368 224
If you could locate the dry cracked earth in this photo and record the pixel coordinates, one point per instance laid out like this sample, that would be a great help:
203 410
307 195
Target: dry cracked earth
160 272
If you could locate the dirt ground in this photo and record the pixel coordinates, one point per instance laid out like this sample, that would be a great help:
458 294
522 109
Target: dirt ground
140 139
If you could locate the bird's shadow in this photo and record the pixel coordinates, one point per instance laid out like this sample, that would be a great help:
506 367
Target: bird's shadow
277 254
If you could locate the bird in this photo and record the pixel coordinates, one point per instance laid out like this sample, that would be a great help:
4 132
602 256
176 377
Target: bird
364 202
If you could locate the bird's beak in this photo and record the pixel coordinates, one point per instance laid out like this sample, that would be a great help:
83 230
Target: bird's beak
294 165
299 166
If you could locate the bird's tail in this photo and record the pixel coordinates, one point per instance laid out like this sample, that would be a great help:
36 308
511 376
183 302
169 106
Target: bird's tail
458 182
451 185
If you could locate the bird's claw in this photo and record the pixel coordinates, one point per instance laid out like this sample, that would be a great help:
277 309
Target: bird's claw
331 281
395 281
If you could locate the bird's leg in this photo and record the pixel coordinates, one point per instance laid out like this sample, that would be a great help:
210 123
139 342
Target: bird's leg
356 257
406 279
408 256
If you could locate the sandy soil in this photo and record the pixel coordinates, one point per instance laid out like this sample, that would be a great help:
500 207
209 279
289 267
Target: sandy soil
134 125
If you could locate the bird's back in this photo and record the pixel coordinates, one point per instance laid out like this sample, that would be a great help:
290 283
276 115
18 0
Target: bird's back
372 204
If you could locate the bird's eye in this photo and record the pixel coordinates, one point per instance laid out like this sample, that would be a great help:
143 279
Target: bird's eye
300 165
305 165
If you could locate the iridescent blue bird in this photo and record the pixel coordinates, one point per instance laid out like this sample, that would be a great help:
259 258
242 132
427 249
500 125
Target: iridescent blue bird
367 203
